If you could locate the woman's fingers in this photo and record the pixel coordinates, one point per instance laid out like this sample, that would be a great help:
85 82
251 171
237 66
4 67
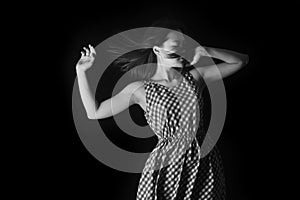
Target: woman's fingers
87 52
92 50
86 60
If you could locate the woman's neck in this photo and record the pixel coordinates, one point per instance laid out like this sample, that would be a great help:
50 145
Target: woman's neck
164 73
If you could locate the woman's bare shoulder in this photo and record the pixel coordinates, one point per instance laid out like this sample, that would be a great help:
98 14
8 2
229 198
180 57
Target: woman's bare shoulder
138 92
135 85
136 88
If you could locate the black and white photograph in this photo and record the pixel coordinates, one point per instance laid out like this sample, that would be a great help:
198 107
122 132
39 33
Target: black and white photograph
153 101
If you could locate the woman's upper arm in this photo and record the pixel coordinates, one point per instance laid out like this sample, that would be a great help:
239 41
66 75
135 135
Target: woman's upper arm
217 71
119 102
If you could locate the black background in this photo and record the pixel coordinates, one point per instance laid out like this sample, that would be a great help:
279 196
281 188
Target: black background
57 163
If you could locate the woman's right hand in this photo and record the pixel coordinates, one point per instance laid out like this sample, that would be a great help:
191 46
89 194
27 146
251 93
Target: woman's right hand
87 59
199 52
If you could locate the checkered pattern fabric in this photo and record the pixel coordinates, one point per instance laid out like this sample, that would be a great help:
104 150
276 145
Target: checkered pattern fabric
174 170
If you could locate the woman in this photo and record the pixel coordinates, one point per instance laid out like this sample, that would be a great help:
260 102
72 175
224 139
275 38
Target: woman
169 98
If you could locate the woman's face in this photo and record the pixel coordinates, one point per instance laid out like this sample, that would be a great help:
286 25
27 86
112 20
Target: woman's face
169 49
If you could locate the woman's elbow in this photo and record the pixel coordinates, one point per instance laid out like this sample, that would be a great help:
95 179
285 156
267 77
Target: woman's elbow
99 115
245 60
91 117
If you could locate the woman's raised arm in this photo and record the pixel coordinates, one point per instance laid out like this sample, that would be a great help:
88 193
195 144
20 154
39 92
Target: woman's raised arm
233 61
109 107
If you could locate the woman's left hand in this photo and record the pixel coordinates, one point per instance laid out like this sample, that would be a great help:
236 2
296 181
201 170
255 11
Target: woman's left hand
199 52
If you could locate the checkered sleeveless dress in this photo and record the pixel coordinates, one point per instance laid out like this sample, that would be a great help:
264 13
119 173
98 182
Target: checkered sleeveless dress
174 170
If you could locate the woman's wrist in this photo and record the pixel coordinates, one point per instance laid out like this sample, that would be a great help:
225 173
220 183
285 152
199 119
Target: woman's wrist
80 70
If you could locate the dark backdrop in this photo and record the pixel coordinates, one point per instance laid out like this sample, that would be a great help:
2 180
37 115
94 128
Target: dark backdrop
54 35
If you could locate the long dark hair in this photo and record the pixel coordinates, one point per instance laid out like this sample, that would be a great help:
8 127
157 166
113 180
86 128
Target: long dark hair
141 63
